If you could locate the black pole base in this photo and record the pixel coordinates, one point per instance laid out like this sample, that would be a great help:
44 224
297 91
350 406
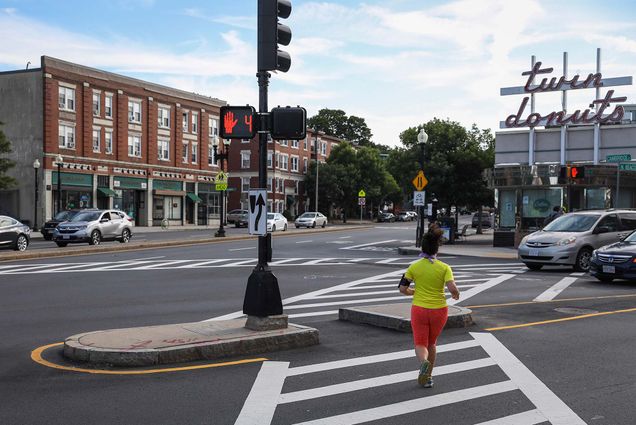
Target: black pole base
262 296
220 233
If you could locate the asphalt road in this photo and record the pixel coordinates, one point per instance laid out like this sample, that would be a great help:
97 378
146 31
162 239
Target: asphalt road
581 368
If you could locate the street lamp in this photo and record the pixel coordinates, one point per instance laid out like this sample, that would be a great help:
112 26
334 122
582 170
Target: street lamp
59 161
422 138
317 165
221 157
36 167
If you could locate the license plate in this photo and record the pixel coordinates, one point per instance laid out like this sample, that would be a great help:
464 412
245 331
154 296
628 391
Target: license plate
609 269
534 253
65 236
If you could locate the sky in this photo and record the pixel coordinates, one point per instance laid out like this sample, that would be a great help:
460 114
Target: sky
395 63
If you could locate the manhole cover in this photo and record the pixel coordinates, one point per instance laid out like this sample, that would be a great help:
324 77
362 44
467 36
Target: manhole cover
573 310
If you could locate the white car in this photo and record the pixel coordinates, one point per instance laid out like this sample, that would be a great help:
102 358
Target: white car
276 221
311 219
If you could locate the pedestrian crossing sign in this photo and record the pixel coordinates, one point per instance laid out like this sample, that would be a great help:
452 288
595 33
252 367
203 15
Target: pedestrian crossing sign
221 178
361 194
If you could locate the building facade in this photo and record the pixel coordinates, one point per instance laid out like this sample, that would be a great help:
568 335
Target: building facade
287 165
124 143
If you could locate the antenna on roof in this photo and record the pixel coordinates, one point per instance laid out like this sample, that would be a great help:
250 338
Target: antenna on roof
28 63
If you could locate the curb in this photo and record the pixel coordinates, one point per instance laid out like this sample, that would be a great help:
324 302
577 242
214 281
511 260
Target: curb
407 250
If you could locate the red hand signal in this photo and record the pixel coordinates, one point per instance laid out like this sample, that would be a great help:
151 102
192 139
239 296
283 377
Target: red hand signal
229 122
574 172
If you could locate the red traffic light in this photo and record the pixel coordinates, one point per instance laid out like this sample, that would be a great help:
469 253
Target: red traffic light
577 172
238 122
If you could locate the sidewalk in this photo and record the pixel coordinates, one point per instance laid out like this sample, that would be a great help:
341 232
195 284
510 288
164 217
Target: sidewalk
472 245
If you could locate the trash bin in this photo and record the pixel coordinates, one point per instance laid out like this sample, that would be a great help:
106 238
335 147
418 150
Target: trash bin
447 224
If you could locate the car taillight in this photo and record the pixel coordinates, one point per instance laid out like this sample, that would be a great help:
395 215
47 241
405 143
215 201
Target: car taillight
130 219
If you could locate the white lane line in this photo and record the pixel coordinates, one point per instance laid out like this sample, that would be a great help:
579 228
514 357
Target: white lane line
531 417
480 288
201 263
161 264
368 244
313 313
297 306
304 241
376 358
551 406
363 384
242 249
416 405
344 237
552 292
578 274
315 262
356 260
260 404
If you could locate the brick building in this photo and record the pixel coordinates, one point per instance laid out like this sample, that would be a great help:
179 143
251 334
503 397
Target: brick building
125 143
287 164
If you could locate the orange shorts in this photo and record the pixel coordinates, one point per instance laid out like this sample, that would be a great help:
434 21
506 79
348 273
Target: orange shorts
427 324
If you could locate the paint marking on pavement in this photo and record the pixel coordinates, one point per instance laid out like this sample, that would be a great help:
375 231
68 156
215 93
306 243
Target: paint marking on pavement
358 294
578 274
530 417
201 264
286 260
565 319
297 306
386 261
480 288
551 406
368 244
242 249
261 402
560 300
344 237
309 241
161 264
318 261
159 257
552 292
313 313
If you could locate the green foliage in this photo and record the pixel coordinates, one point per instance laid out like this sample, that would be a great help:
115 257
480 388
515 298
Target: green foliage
287 214
6 182
335 122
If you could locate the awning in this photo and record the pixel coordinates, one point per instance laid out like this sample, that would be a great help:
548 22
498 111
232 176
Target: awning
194 198
107 192
169 192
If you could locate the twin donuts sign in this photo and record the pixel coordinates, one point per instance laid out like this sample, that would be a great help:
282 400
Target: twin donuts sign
602 110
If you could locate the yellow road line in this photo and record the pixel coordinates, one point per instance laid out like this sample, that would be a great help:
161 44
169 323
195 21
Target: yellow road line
565 319
36 356
551 301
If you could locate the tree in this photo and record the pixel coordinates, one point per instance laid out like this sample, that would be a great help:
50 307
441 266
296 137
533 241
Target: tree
335 122
5 163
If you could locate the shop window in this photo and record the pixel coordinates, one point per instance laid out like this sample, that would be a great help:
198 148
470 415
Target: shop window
66 98
595 198
507 205
537 203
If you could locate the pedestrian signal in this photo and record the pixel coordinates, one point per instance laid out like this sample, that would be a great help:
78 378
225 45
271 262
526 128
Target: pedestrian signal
238 122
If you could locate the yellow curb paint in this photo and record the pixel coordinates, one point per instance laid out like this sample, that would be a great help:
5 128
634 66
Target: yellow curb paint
36 356
551 301
565 319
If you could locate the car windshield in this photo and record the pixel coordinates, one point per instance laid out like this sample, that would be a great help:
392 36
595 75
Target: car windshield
270 216
65 215
631 238
572 223
308 215
86 216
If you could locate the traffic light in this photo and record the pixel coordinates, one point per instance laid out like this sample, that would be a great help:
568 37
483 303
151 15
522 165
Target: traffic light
572 172
288 123
271 33
238 122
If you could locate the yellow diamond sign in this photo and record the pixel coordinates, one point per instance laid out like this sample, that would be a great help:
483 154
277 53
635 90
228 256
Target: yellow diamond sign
221 178
420 181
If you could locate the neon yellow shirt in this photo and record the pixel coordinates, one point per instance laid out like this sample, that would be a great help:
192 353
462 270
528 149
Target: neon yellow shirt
429 281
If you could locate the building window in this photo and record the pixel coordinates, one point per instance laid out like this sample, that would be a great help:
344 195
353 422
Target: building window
66 136
164 117
67 98
213 123
304 165
269 184
284 143
96 140
108 142
277 160
134 145
245 140
184 122
294 163
134 111
269 138
284 162
245 159
323 148
195 122
269 206
108 106
184 152
96 104
245 184
211 158
305 144
195 148
270 154
163 146
295 144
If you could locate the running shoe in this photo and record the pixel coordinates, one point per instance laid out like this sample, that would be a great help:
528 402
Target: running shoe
424 376
429 383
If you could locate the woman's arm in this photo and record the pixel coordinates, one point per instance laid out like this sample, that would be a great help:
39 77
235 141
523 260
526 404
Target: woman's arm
405 286
453 289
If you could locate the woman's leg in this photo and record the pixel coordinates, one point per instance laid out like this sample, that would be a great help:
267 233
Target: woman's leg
422 353
432 352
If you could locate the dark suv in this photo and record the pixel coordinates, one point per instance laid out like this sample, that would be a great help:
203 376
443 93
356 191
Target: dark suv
49 227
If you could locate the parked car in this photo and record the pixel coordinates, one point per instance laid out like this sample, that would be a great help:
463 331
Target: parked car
93 226
404 216
615 261
413 214
570 239
386 217
310 219
276 221
49 227
486 220
14 234
234 215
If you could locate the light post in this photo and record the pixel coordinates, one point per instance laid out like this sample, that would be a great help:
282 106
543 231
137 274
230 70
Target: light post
317 165
36 167
422 138
59 161
221 157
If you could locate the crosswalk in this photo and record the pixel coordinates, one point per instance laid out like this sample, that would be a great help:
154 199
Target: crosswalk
515 394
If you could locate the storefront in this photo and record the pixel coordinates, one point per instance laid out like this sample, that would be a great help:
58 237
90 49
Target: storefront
76 191
167 202
210 206
130 197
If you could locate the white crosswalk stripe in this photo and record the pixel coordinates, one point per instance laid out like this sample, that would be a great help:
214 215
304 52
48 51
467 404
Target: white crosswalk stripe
267 392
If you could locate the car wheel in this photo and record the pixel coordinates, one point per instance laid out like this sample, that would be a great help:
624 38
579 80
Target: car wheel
273 228
324 224
297 227
313 226
534 266
96 238
583 260
61 244
21 243
605 279
125 236
285 228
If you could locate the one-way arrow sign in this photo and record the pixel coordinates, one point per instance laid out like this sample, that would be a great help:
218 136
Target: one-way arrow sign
258 212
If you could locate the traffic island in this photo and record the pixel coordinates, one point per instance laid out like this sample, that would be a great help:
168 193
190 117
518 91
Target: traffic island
185 342
398 316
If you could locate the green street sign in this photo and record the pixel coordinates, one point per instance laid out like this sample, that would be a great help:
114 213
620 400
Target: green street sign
627 167
619 158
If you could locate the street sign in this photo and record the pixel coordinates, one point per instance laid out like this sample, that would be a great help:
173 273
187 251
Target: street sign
619 158
418 198
429 210
628 167
361 194
420 181
362 202
258 212
220 182
220 186
238 122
